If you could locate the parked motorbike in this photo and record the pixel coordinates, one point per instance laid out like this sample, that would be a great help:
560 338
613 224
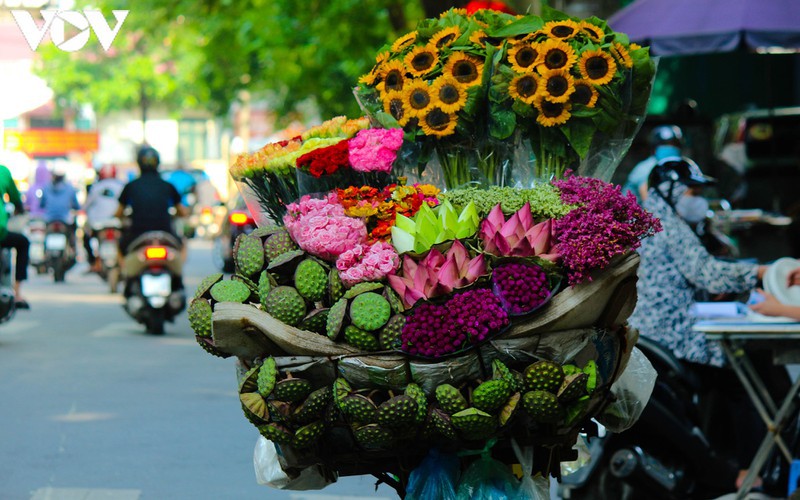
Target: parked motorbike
59 249
152 268
672 451
36 230
7 298
106 242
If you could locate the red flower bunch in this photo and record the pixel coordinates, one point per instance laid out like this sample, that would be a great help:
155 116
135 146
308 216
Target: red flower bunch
475 6
326 160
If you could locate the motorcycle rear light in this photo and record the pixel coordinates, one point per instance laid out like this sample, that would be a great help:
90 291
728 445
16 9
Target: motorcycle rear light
110 234
239 218
155 253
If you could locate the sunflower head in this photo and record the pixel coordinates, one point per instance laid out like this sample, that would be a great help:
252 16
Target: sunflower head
551 113
622 55
404 42
556 54
595 33
524 87
467 69
481 39
564 29
584 94
438 123
417 97
393 105
557 85
523 56
421 60
448 94
597 66
445 37
393 76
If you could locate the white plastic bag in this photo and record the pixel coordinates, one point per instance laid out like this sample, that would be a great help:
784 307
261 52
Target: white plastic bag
267 463
631 393
530 487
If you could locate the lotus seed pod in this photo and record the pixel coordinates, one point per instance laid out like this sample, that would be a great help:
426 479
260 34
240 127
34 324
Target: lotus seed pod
208 345
335 286
501 371
491 395
359 408
286 305
315 321
336 316
265 285
250 284
373 436
397 411
311 280
249 381
443 424
314 406
230 291
544 376
206 284
369 311
389 337
341 389
361 339
266 231
508 411
248 254
359 288
416 392
267 377
255 404
292 390
450 399
542 406
573 387
308 435
474 423
276 433
200 317
278 243
280 412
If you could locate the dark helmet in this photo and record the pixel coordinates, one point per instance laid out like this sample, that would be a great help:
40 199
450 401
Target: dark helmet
147 158
677 170
666 134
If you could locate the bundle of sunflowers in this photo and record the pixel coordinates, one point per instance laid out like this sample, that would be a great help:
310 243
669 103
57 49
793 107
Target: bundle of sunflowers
375 317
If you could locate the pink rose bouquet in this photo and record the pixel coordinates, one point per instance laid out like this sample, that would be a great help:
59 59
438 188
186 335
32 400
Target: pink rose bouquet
320 227
367 263
375 149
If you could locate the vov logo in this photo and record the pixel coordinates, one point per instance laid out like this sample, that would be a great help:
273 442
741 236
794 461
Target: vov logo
55 21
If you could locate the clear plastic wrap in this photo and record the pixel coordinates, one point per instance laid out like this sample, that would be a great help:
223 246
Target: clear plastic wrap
630 392
269 471
530 487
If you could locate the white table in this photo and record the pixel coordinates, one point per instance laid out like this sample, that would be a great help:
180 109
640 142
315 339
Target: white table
783 340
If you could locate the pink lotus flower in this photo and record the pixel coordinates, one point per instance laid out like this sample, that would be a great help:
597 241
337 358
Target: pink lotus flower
437 274
518 236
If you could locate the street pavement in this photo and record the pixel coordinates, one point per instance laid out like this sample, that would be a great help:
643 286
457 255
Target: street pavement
92 408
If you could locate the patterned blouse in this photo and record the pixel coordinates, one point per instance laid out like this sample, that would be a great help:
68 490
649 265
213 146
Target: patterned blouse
674 265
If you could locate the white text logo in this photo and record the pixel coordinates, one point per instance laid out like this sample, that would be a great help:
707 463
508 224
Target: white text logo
55 21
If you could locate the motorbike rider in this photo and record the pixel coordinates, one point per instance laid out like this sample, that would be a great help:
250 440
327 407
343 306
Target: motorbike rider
11 239
101 208
666 141
674 266
59 199
150 199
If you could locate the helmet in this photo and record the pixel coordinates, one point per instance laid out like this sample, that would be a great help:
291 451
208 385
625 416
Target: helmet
148 158
107 172
677 170
666 134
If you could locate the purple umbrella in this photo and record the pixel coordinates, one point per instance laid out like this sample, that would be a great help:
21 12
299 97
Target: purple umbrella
686 27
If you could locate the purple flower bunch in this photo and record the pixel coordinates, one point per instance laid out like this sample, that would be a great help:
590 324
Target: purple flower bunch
469 317
521 288
606 223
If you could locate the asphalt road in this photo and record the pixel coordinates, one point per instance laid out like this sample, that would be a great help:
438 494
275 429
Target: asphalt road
92 408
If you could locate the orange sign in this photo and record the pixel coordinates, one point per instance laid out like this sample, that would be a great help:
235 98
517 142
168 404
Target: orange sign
51 142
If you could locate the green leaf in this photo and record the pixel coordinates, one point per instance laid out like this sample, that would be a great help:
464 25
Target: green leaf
502 123
580 134
527 24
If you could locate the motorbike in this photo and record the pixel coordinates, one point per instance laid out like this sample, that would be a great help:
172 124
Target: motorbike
672 452
106 240
36 230
59 249
7 298
152 268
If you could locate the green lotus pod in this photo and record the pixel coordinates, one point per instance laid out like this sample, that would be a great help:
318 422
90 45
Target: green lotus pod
230 291
335 286
501 371
315 321
311 280
332 415
443 424
208 345
431 226
373 436
286 305
573 387
276 433
249 381
286 262
267 377
280 411
542 406
314 406
292 390
591 370
251 285
206 284
414 391
359 288
266 282
397 411
359 408
394 300
450 399
491 395
200 317
248 254
336 315
278 243
390 335
307 435
369 311
266 231
474 423
508 410
255 404
341 389
544 376
361 339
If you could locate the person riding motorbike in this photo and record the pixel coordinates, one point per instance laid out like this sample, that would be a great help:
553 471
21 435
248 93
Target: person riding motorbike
11 239
666 141
59 200
101 208
150 199
674 266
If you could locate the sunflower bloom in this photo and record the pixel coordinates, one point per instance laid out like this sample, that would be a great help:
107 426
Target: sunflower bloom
635 46
369 78
595 33
597 67
445 37
557 85
417 97
404 42
464 68
551 113
585 94
393 76
565 29
449 95
422 60
437 123
524 87
622 55
556 54
393 105
481 39
523 56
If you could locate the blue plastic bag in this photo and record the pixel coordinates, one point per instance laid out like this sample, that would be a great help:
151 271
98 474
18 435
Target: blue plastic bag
435 477
488 479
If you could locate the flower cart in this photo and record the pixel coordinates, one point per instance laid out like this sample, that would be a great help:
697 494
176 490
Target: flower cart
450 272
